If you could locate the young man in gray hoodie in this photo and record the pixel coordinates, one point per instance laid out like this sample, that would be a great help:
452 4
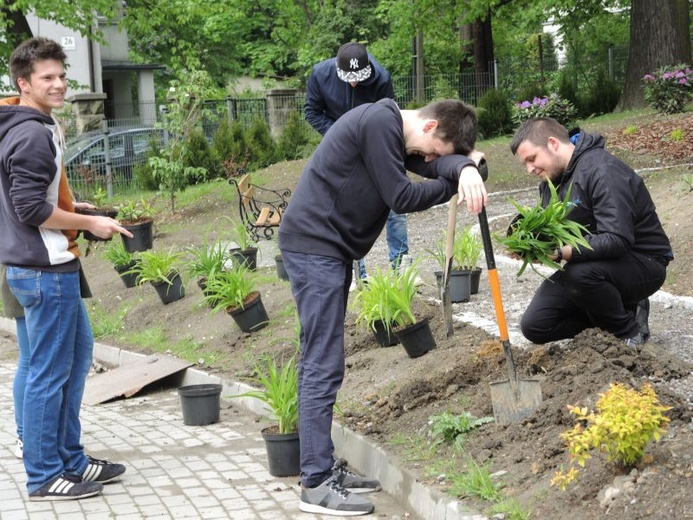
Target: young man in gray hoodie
38 227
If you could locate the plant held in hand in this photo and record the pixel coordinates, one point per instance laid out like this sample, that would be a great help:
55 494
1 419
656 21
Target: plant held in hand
538 231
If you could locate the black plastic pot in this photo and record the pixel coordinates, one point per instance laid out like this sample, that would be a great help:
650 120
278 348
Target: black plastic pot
170 292
476 277
384 337
245 256
416 339
460 284
129 279
200 404
281 271
283 453
143 236
253 316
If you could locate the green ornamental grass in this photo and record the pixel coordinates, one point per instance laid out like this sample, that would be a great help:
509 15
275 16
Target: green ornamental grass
538 231
387 297
279 391
229 288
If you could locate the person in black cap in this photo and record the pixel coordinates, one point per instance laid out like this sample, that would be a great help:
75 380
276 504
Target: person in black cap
337 85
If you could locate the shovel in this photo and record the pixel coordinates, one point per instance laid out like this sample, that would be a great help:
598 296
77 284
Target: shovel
514 399
445 287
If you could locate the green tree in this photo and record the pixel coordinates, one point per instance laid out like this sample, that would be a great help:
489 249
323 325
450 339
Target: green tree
77 15
182 118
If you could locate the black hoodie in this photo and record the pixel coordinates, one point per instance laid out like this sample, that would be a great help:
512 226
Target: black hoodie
328 98
355 177
612 201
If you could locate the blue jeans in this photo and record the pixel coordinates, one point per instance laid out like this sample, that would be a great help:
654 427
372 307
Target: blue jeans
20 376
61 346
397 241
320 286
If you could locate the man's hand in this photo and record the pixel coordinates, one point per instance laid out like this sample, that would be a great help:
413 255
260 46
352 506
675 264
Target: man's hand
471 187
106 227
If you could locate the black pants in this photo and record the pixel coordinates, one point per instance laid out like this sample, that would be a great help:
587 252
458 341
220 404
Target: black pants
602 293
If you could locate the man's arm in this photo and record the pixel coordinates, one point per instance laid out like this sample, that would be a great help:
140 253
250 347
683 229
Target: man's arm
102 227
314 106
459 169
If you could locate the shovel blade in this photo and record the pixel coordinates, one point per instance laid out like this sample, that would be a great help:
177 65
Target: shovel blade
512 405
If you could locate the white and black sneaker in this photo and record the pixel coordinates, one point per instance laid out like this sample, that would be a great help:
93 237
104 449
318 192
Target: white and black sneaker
330 498
66 487
19 449
102 471
351 481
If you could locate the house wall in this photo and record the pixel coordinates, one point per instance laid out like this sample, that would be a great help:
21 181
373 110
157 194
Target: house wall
77 49
84 66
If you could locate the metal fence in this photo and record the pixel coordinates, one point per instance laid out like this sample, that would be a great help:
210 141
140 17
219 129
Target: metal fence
511 76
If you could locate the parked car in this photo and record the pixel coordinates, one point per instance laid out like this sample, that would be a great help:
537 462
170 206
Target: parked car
85 156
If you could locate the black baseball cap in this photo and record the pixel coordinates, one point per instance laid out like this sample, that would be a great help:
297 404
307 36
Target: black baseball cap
352 62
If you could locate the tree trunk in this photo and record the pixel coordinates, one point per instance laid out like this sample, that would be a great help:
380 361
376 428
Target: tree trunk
659 35
483 53
483 44
420 69
466 47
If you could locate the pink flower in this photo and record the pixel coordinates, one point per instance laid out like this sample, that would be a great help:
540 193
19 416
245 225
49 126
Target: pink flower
648 77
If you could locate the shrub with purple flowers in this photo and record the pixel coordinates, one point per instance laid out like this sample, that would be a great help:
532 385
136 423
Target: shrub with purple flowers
669 88
552 106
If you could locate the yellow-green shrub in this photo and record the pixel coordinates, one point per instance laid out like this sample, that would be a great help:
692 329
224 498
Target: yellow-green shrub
625 422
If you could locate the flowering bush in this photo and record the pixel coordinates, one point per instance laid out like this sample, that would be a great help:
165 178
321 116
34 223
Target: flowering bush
552 106
669 88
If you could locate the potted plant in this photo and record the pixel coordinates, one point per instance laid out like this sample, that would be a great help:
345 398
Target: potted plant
391 302
123 262
372 306
138 218
245 251
279 391
460 275
98 199
466 254
415 336
233 291
206 261
160 269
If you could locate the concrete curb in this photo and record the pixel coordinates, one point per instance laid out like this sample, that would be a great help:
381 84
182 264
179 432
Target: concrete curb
364 456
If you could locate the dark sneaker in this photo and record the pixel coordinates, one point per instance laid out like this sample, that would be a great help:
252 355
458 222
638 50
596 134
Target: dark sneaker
642 313
329 498
66 487
636 341
102 471
351 481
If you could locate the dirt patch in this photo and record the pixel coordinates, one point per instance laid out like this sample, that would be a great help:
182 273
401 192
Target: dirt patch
390 397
